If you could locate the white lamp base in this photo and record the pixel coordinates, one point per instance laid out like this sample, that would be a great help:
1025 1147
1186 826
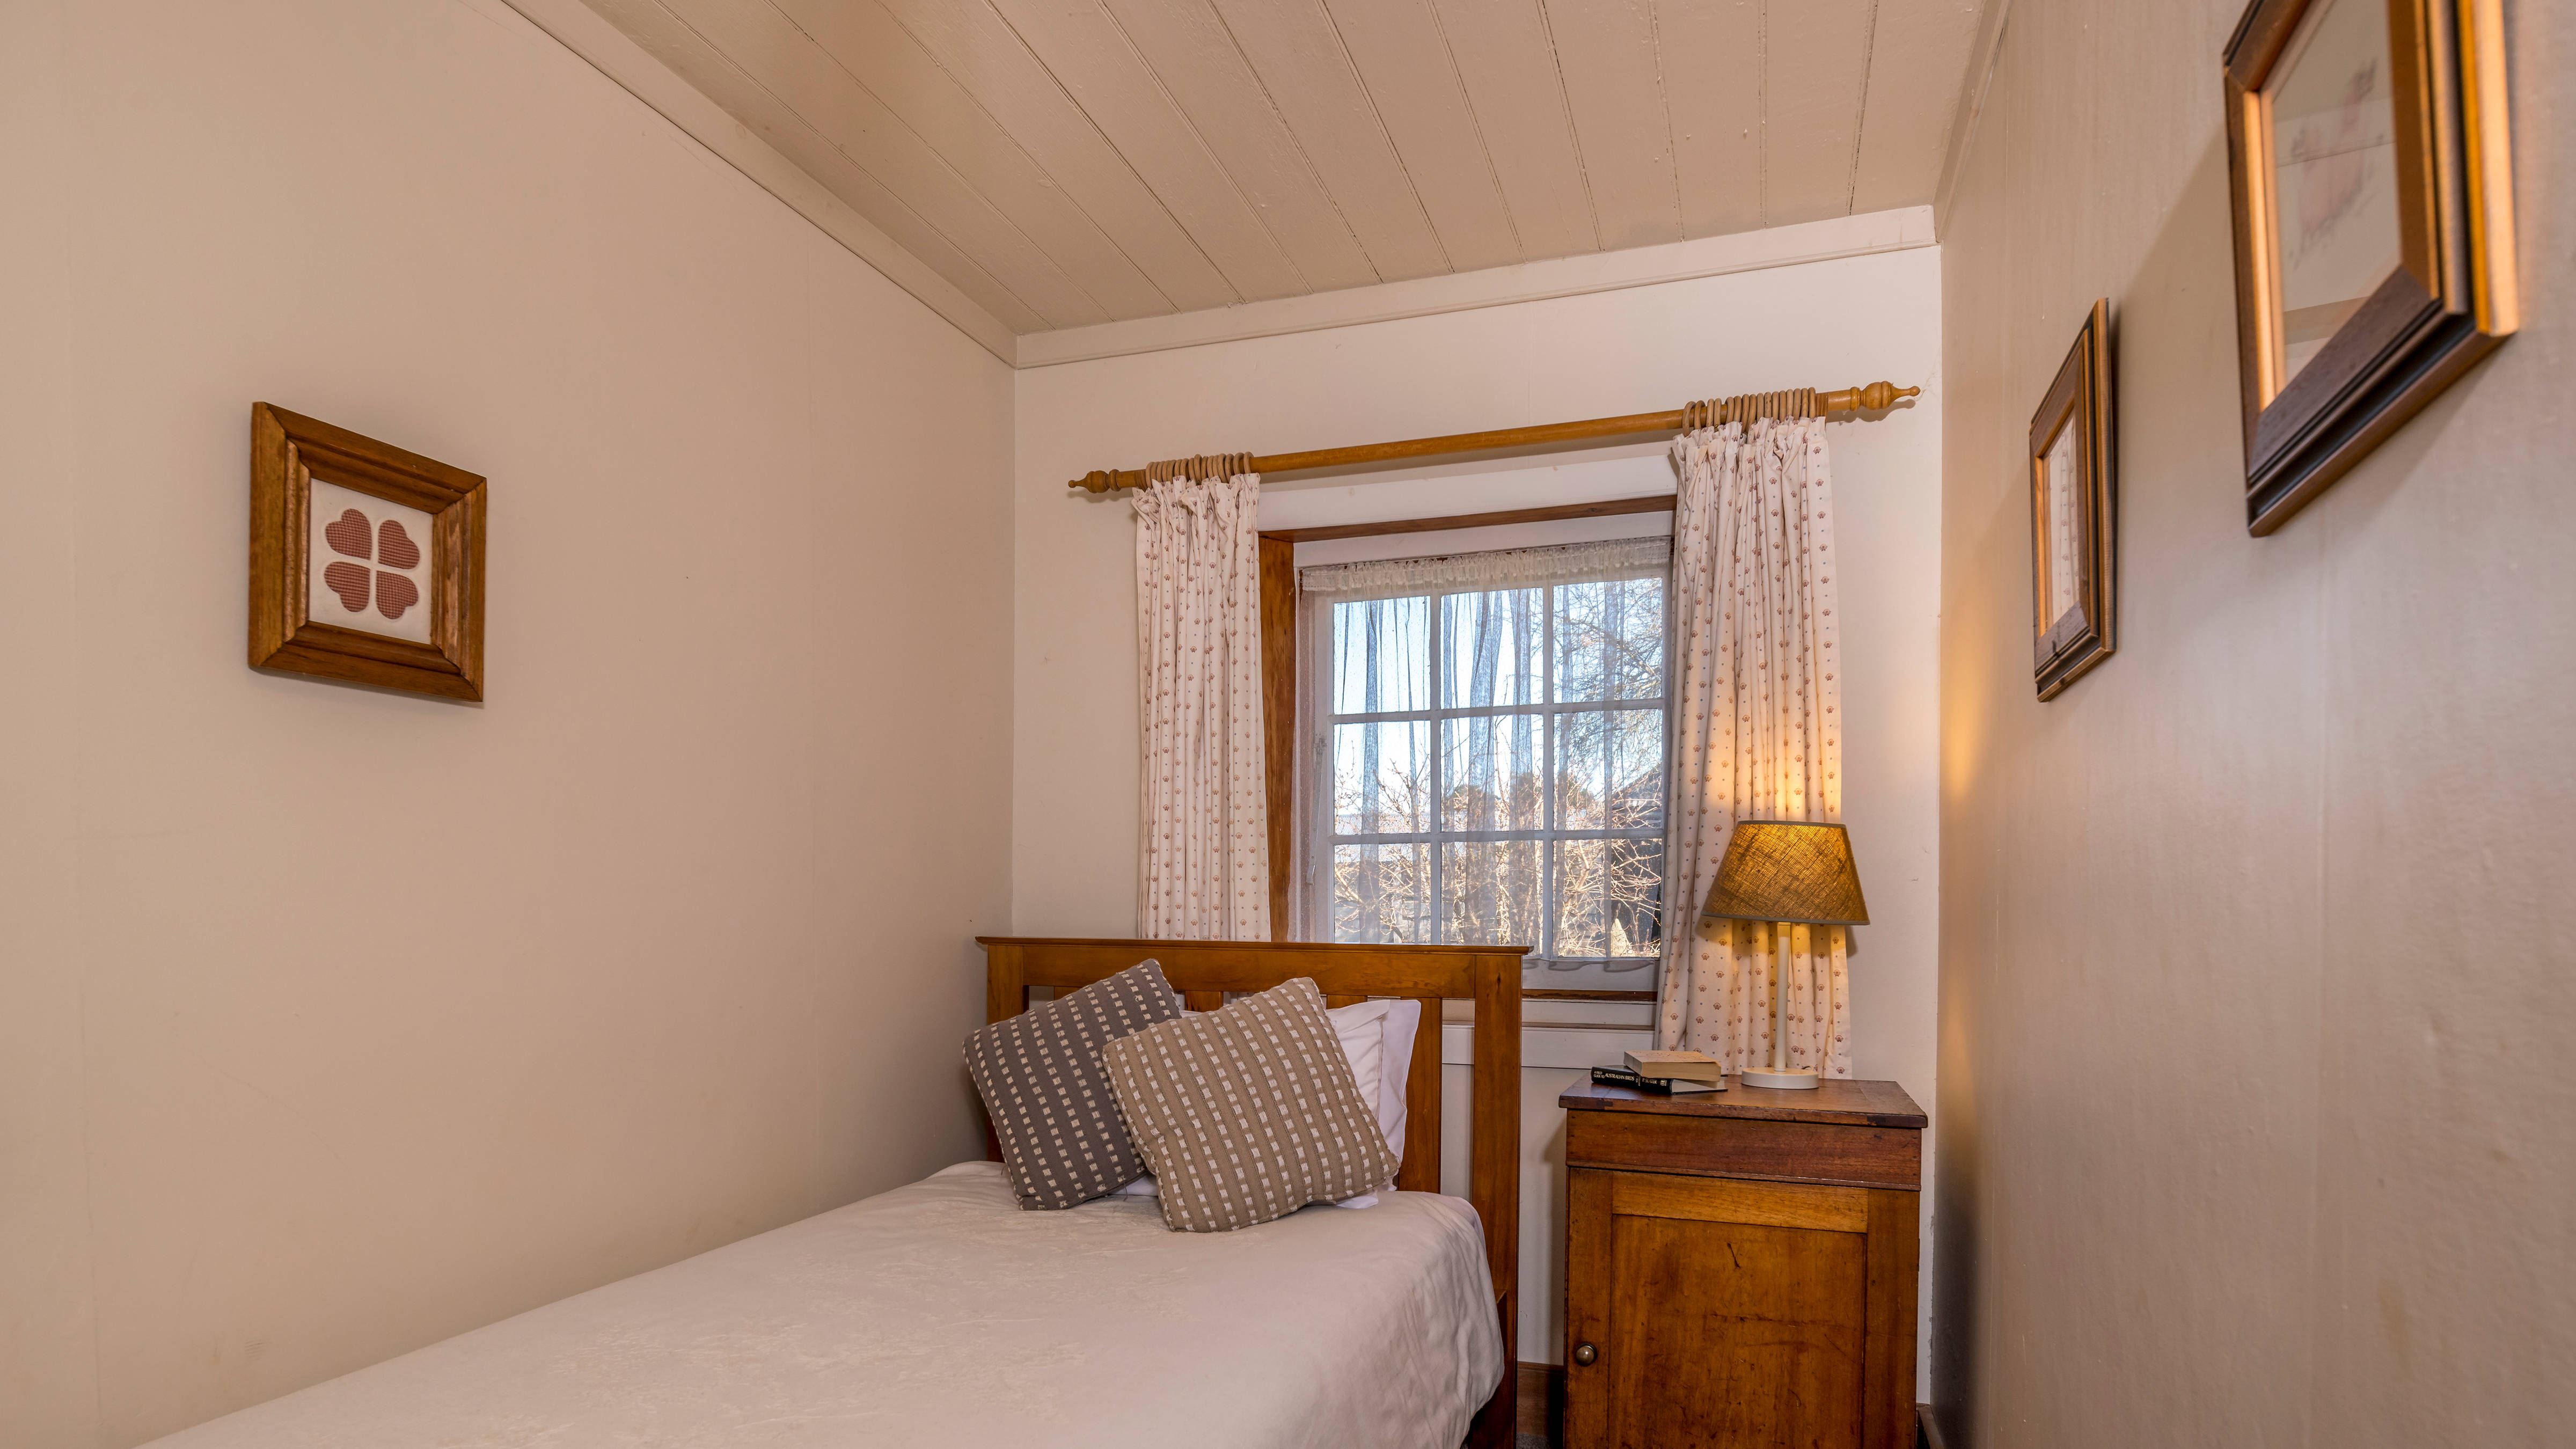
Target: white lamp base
1777 1077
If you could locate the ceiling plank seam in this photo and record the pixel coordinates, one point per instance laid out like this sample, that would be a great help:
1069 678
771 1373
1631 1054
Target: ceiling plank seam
1044 171
726 58
1762 83
1214 158
1565 97
1664 103
1860 125
1296 143
1476 124
1197 242
1002 213
1378 116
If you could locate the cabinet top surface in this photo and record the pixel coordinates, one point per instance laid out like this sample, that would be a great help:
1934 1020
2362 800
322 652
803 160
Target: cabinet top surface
1836 1099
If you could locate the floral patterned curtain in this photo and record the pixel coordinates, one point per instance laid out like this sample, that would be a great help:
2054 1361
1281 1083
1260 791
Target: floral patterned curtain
1204 846
1757 733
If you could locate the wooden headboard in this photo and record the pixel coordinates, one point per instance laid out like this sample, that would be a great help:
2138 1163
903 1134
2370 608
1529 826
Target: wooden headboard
1490 976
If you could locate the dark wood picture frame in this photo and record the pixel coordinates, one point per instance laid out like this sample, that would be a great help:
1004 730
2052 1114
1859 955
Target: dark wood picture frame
2452 301
287 452
2078 407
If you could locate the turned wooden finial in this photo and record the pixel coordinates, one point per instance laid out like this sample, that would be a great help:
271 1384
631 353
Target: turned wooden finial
1872 398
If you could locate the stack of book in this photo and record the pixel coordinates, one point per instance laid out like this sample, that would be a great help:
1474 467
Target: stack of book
1664 1073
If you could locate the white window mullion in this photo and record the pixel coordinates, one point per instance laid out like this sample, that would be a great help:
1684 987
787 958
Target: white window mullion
1438 676
1547 776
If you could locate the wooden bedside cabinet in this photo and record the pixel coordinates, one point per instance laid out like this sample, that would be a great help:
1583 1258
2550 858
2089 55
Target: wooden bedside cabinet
1739 1267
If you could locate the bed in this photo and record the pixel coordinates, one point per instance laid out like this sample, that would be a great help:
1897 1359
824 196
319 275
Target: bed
941 1313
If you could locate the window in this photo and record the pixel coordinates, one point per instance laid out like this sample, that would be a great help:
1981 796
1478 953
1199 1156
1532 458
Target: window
1489 755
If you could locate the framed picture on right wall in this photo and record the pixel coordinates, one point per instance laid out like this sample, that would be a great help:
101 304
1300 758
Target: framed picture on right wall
2074 521
2373 189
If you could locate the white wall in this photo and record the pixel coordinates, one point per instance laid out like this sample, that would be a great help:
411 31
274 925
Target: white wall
665 944
2256 943
1827 324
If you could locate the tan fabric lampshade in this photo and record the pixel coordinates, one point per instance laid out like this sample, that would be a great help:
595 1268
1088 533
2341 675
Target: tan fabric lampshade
1787 870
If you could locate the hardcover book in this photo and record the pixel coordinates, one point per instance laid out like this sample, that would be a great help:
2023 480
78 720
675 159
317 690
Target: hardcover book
1657 1086
1677 1066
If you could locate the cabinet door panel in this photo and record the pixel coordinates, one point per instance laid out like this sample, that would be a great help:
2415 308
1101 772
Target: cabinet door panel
1713 1321
1735 1336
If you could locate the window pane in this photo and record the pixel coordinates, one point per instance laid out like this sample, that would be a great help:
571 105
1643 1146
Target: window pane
1582 770
1610 896
1579 923
1493 645
1635 886
1489 893
1610 640
1636 749
1382 656
1382 778
1382 894
1491 775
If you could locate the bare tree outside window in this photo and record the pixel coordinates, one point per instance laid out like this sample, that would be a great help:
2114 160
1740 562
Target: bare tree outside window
1493 765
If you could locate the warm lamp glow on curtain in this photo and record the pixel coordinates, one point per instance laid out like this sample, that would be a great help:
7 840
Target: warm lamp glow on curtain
1756 736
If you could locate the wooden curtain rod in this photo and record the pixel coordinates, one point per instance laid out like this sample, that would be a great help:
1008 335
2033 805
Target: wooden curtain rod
1742 408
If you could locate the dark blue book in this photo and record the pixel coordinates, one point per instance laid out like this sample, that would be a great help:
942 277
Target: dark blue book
1655 1086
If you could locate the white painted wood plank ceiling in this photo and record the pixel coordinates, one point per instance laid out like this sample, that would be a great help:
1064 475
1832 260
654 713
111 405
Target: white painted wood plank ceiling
1071 162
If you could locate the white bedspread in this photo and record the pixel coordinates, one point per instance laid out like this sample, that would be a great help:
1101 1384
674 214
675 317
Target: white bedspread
942 1314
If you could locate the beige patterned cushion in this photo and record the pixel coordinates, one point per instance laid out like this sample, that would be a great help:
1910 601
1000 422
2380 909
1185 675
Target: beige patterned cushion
1248 1113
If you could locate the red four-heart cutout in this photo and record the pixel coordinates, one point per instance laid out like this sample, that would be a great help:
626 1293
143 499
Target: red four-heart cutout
350 582
348 534
394 593
394 547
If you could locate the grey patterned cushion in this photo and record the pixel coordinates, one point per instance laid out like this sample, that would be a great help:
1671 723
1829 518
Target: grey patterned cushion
1249 1113
1047 1091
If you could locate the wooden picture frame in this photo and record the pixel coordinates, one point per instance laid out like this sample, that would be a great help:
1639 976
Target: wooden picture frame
2331 362
386 587
2074 524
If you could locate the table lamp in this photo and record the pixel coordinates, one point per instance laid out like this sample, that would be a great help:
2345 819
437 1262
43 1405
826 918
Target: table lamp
1787 872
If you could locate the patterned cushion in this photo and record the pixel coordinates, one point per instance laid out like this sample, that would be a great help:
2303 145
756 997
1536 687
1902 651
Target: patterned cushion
1248 1113
1047 1091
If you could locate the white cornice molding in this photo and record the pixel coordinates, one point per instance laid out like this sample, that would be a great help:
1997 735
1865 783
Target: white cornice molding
585 33
1779 246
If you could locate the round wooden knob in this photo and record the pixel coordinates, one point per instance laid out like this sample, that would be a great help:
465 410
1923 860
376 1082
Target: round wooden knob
1584 1354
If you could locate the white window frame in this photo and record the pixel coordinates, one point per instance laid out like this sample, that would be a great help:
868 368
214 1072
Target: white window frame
1317 725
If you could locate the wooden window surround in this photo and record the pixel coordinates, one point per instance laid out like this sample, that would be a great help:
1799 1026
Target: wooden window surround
1279 673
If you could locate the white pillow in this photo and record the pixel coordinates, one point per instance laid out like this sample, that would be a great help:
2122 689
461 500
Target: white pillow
1377 1036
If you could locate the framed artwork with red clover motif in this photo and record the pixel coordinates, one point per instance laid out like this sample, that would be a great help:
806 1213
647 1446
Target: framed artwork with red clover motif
366 560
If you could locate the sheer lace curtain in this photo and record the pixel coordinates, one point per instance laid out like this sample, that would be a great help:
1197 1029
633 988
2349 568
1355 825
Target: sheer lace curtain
1204 841
1451 825
1757 731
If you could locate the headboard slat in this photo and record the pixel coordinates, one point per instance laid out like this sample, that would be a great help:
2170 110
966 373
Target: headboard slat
1421 1169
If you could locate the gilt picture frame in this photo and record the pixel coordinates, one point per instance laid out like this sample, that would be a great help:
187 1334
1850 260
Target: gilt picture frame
2074 520
366 560
2372 186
